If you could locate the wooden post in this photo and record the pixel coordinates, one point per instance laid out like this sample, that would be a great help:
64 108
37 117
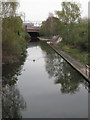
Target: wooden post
88 71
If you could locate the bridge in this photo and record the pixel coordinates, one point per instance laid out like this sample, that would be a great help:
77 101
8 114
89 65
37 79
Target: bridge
32 27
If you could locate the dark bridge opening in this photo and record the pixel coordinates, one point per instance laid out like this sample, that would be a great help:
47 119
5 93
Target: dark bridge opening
34 34
32 29
34 39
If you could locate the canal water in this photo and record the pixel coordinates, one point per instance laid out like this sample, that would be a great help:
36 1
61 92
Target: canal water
43 85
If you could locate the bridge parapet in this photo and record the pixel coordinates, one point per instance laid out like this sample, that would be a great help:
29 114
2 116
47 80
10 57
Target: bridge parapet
32 26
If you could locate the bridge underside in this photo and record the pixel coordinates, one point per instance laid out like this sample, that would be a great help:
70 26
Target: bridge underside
33 34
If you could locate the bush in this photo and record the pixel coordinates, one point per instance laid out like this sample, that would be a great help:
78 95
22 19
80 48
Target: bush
13 42
27 37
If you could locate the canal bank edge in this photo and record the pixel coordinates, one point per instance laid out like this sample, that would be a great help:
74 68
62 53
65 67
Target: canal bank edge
75 64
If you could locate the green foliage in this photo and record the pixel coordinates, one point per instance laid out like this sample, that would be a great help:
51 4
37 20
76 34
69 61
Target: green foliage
77 53
50 27
13 38
70 13
75 41
77 35
72 28
27 37
9 8
69 25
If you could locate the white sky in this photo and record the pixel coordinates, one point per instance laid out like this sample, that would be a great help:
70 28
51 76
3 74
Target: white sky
38 10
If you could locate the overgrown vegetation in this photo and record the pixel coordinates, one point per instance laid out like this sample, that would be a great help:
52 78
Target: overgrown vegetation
77 53
72 28
50 27
13 34
13 40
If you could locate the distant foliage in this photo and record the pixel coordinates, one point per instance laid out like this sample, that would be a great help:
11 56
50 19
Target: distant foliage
50 27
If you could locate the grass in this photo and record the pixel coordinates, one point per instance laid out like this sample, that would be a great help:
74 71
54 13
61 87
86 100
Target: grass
76 53
43 38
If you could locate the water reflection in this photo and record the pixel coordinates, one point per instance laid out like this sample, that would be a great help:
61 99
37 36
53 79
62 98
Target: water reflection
12 100
62 72
11 71
12 103
48 79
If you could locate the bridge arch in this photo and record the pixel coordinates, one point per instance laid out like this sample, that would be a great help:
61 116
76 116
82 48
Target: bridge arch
32 28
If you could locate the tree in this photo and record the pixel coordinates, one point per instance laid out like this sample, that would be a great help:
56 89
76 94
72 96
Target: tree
13 34
13 39
50 26
51 14
70 18
8 8
70 13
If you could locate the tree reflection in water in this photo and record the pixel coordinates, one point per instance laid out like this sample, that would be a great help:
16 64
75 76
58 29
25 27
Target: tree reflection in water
12 100
10 73
64 74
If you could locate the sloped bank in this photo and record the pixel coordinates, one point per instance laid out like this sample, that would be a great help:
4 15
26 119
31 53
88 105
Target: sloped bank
75 64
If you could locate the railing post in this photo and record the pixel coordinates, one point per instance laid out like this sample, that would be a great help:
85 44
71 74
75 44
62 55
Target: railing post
88 71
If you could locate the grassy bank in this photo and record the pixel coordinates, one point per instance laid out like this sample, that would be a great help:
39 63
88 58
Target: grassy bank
76 53
44 38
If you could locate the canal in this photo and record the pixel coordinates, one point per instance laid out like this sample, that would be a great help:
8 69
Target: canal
43 85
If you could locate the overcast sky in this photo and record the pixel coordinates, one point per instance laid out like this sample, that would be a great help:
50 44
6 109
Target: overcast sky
38 10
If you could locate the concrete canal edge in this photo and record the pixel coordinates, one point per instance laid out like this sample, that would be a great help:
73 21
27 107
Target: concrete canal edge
75 64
